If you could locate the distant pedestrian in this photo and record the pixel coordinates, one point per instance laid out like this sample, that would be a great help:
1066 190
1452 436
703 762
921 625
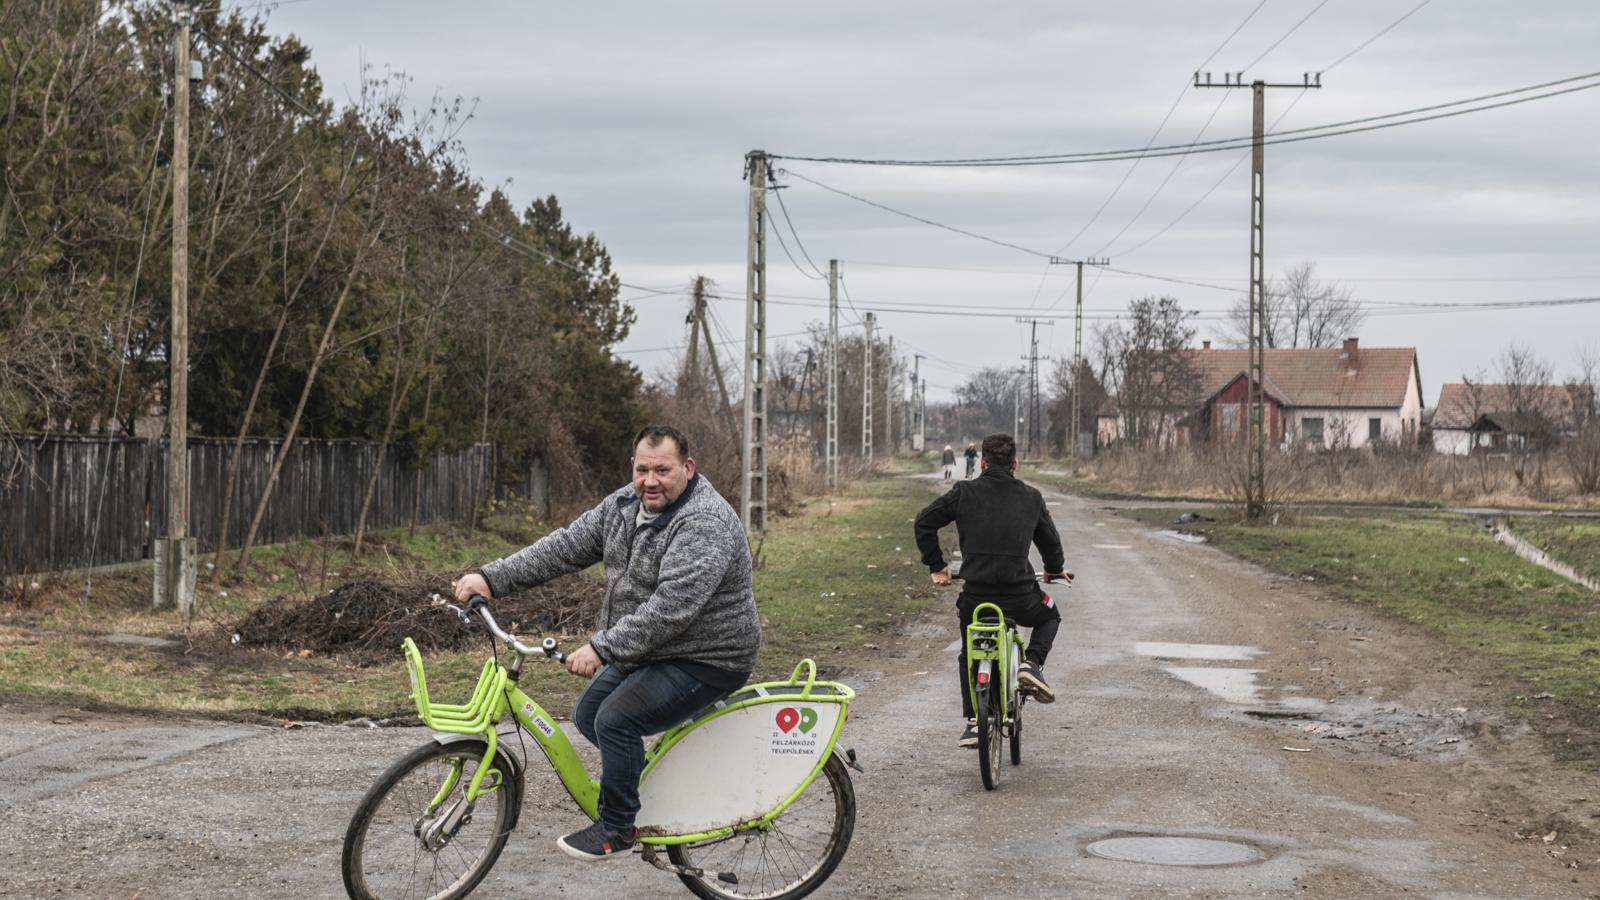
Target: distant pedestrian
949 463
972 459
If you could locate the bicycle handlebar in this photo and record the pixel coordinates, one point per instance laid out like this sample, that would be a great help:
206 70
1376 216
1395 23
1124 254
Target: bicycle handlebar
1044 577
478 606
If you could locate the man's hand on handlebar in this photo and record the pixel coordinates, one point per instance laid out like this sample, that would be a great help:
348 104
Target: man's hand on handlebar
583 661
469 586
1062 576
942 577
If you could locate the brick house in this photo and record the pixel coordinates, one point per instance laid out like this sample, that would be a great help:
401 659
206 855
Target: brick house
1347 396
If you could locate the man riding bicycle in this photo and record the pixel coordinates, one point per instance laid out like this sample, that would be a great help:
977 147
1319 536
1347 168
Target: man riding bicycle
678 628
997 518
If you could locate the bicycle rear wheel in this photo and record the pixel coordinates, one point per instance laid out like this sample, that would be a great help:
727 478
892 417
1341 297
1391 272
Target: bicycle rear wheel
1016 729
991 736
412 835
789 859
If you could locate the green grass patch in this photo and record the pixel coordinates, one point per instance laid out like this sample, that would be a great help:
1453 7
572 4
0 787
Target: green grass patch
832 580
840 576
1573 541
1442 571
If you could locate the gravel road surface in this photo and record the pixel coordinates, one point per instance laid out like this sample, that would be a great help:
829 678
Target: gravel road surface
1291 744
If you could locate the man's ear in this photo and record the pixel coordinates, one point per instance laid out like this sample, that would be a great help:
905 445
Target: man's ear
688 464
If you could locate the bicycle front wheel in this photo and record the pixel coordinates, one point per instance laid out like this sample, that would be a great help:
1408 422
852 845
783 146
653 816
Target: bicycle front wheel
787 860
991 736
414 834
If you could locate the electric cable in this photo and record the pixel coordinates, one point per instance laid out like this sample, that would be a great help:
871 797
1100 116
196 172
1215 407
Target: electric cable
1554 88
777 192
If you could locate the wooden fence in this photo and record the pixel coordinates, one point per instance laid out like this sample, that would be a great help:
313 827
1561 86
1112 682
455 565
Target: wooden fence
70 502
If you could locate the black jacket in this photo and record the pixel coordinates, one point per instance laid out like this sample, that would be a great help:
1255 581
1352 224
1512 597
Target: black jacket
997 517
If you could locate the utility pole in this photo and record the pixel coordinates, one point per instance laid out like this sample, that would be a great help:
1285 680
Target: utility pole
922 416
753 462
1256 489
175 555
891 383
1016 401
917 406
1033 358
1077 349
832 449
866 396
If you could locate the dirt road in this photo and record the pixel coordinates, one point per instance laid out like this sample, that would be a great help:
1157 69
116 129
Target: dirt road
1316 750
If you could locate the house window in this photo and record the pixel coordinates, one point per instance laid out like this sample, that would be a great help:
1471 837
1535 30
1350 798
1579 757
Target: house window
1374 430
1312 430
1230 421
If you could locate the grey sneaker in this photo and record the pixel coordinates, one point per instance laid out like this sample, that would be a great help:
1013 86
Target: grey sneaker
969 738
1030 680
596 842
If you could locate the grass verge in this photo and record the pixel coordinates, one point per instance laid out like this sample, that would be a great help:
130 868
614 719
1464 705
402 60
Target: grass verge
1442 571
833 581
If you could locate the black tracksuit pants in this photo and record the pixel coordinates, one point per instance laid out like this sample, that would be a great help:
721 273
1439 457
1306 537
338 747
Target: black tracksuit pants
1037 611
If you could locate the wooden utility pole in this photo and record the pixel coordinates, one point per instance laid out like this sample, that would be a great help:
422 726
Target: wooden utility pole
753 462
866 396
832 449
175 555
1256 488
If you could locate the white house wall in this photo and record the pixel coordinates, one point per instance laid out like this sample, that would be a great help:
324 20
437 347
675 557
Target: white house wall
1455 441
1348 427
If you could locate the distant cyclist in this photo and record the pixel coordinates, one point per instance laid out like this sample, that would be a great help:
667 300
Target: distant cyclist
949 461
972 458
998 518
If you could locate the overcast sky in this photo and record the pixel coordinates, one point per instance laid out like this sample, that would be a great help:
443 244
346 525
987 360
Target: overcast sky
637 116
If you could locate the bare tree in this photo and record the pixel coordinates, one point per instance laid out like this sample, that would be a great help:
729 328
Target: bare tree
1153 370
1581 449
1529 421
1301 311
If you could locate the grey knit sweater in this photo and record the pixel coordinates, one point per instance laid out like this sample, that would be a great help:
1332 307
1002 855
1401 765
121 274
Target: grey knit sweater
677 587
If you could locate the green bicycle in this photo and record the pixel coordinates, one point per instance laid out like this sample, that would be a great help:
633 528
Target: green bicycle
994 653
751 798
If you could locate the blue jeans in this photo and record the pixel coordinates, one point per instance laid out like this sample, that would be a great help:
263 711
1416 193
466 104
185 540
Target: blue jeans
617 710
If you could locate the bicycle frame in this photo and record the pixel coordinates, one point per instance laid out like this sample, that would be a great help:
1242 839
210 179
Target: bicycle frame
496 695
993 647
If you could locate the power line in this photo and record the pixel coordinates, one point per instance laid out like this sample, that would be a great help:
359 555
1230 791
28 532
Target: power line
1421 279
777 191
1331 129
912 216
1364 44
1176 101
1243 156
1292 29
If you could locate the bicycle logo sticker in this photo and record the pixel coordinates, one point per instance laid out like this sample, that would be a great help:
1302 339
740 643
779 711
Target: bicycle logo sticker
794 732
545 728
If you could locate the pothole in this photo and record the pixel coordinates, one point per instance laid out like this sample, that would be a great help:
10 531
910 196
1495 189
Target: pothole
1160 850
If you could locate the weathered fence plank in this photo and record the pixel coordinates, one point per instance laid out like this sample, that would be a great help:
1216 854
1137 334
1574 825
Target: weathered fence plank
69 501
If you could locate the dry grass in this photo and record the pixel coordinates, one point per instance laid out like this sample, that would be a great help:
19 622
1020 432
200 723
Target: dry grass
1390 476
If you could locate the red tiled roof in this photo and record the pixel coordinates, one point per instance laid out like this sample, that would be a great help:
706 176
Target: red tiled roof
1316 376
1460 405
